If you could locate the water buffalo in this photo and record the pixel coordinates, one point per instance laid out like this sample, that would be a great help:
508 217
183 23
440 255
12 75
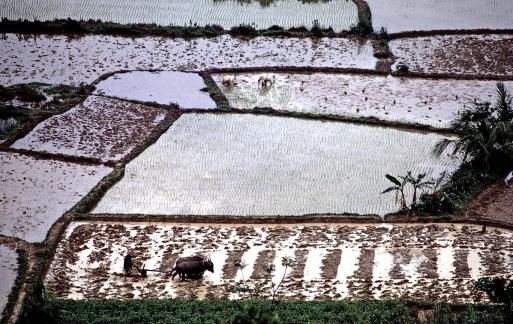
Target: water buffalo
191 267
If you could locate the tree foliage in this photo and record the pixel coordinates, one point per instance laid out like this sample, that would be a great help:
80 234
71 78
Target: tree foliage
485 133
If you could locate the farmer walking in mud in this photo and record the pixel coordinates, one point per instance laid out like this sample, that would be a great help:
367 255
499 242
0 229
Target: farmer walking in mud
127 264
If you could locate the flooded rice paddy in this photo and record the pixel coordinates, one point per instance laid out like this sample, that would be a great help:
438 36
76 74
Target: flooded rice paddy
35 193
429 262
166 87
457 54
339 14
399 16
230 164
102 128
406 100
60 59
8 268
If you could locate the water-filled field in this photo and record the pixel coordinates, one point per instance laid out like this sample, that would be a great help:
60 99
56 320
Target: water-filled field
211 164
339 14
399 15
74 60
456 54
8 268
166 87
101 128
35 193
426 262
405 100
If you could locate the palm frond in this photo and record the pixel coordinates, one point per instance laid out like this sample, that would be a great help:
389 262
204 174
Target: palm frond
441 146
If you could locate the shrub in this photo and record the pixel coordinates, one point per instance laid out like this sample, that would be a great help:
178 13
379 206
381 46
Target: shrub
442 315
27 94
244 30
472 316
361 29
463 186
402 68
6 94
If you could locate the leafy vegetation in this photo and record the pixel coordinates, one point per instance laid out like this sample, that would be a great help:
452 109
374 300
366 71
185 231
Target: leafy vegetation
485 133
400 184
361 29
75 27
22 92
32 103
499 290
472 314
485 143
221 311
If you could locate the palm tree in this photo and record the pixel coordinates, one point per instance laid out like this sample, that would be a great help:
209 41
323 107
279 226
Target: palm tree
485 133
398 188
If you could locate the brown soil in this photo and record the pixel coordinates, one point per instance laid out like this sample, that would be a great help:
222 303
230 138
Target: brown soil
330 264
263 260
495 203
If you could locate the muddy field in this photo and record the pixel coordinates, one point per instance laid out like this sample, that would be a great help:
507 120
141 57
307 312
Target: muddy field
458 54
35 193
8 269
429 262
60 59
496 202
102 128
166 87
339 14
398 16
408 100
233 164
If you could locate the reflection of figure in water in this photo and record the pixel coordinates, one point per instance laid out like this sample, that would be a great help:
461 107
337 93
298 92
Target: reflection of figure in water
127 264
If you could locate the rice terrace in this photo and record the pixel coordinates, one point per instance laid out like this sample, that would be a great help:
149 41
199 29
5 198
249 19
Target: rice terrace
256 161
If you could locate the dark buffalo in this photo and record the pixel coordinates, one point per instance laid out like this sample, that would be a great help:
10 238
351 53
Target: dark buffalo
191 267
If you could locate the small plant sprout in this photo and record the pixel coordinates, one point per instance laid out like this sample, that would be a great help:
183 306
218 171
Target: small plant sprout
286 262
241 287
254 290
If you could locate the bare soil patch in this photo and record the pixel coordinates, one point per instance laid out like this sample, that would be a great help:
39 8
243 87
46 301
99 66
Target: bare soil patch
495 202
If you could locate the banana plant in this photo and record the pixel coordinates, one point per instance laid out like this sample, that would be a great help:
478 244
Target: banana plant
418 183
398 188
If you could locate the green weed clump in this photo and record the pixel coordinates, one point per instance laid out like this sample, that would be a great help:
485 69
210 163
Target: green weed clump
222 311
244 30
